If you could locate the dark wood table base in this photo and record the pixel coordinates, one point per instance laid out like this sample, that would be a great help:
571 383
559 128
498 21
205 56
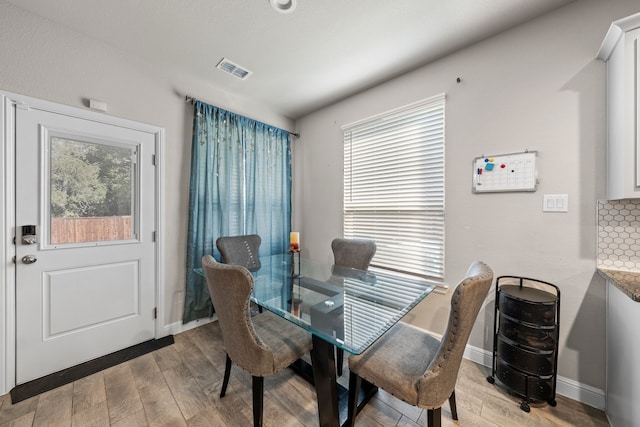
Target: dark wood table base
332 397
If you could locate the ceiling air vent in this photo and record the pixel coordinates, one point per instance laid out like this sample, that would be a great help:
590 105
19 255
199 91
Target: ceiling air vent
233 69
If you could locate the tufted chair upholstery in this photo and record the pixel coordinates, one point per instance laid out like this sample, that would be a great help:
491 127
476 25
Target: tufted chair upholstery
353 253
240 250
416 367
261 345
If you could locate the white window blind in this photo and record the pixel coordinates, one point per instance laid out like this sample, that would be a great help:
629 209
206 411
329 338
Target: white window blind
394 187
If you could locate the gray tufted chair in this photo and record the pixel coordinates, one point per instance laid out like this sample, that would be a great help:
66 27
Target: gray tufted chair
261 345
416 367
240 250
353 253
350 253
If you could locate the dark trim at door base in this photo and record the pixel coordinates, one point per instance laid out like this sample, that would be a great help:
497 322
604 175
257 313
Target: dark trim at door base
66 376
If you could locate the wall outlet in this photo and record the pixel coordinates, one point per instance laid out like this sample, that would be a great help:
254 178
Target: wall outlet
555 203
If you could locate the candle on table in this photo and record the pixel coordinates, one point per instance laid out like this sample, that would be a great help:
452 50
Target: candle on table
294 241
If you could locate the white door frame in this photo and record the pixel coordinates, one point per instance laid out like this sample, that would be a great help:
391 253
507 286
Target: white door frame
8 101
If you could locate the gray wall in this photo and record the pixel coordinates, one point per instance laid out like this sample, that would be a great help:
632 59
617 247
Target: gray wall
44 60
535 87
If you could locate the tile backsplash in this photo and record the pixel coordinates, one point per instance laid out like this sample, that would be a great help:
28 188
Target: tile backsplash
619 234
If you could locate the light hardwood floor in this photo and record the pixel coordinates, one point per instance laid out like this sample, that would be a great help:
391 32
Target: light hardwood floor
179 385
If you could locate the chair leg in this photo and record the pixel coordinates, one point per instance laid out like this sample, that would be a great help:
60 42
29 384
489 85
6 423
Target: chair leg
434 418
452 405
227 373
339 360
258 394
354 390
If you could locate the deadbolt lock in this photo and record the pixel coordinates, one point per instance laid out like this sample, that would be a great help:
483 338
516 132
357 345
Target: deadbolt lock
29 236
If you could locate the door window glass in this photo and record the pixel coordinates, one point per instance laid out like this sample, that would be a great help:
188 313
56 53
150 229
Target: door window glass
91 193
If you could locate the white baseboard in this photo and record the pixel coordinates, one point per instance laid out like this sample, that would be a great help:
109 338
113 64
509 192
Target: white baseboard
564 386
177 327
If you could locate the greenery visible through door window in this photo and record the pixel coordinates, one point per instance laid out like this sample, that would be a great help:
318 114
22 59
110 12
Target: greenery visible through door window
90 191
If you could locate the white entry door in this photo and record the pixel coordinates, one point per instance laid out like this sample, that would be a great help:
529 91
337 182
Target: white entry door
85 251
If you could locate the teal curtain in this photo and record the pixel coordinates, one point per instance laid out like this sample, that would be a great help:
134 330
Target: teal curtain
240 184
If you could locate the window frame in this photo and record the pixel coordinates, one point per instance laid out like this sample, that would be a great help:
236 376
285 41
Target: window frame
374 171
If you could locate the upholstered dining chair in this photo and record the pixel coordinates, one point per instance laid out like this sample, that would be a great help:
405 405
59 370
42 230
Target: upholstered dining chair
416 367
240 250
350 253
353 253
261 345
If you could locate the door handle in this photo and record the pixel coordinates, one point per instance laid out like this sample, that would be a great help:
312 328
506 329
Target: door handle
29 259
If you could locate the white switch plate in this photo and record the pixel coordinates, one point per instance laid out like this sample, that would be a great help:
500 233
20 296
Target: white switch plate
555 203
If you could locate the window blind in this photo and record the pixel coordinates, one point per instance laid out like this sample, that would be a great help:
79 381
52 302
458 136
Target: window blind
394 187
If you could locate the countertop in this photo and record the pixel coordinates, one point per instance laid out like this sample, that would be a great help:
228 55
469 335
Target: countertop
627 281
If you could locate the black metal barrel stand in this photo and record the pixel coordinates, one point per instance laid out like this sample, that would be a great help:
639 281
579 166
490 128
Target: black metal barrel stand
525 342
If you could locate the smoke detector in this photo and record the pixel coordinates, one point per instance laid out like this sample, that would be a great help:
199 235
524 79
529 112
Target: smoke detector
283 6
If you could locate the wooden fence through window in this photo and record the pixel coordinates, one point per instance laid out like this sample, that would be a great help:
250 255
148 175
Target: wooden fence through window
90 229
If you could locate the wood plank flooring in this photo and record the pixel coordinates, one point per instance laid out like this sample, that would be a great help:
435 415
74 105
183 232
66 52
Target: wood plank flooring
179 385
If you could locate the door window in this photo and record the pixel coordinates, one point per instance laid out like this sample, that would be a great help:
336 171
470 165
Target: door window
91 191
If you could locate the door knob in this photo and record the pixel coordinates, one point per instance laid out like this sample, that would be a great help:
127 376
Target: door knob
29 259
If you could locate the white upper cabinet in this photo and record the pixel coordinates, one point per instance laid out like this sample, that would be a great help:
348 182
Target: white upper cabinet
621 51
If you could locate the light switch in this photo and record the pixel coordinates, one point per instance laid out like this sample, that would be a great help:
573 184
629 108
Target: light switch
549 203
555 203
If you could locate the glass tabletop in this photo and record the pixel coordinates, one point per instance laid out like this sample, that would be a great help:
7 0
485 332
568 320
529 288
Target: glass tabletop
346 307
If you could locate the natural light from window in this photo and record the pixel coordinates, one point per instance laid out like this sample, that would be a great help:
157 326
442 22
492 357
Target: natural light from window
394 187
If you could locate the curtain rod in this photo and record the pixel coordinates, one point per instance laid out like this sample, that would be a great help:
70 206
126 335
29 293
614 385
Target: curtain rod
193 100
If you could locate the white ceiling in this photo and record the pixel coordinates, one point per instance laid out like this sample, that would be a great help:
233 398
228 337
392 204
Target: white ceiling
324 51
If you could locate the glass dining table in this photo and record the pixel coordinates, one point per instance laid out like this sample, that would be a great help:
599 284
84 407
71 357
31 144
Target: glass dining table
341 307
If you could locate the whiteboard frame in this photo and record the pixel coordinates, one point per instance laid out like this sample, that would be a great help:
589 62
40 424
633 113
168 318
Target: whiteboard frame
475 182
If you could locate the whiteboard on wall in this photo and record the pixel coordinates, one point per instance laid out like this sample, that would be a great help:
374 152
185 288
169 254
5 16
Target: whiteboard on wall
506 172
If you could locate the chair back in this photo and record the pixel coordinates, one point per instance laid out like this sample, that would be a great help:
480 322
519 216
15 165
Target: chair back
466 302
230 287
240 250
353 253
